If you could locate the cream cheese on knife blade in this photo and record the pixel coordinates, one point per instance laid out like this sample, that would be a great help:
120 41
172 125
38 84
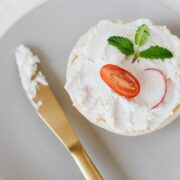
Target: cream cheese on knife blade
30 76
100 104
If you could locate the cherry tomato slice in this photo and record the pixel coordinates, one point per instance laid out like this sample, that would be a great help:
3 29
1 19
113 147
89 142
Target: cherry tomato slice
120 80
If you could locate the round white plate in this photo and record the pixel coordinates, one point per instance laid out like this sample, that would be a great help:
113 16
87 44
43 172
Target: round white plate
28 150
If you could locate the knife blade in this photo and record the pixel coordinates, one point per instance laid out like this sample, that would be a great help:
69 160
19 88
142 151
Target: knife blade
50 111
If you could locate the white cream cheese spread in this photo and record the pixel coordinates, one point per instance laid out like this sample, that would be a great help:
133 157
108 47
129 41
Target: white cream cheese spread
30 76
100 104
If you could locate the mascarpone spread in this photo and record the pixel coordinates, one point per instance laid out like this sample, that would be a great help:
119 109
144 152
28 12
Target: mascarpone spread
100 104
27 64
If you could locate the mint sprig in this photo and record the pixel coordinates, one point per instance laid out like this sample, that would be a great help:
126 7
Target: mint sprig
141 35
123 44
156 52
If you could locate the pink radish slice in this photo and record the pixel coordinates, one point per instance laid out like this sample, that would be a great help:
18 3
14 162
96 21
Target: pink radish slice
164 90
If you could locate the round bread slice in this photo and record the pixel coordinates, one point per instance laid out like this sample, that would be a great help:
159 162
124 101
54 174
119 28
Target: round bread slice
104 107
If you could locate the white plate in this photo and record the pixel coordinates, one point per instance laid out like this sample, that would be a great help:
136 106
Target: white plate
28 150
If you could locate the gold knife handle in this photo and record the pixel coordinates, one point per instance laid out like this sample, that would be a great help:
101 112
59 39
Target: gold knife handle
54 117
85 164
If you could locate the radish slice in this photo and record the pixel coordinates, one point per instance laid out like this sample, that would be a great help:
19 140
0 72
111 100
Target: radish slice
164 90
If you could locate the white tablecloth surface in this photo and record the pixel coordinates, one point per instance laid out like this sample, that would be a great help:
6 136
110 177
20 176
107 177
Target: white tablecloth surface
12 10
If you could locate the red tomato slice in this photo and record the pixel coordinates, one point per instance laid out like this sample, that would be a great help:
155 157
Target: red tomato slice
120 80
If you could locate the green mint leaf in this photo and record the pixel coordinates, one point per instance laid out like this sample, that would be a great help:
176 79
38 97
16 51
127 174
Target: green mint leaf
141 35
156 52
122 44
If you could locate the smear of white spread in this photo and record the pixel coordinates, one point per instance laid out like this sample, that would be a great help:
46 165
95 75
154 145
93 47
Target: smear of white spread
27 64
97 101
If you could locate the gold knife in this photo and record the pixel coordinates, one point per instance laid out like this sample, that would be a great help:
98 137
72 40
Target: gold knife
53 116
